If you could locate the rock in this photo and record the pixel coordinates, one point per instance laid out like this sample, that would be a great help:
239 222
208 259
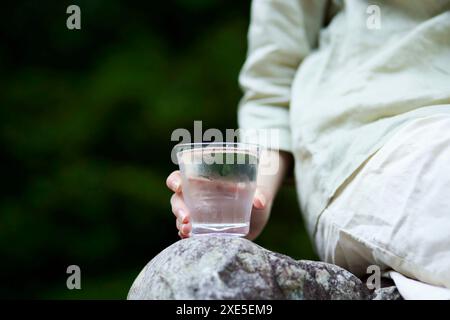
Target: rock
387 293
220 267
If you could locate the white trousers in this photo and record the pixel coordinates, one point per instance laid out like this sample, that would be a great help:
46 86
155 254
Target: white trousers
394 212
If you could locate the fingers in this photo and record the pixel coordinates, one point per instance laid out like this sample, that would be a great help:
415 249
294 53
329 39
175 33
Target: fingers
179 208
173 181
182 236
216 185
260 200
181 212
184 229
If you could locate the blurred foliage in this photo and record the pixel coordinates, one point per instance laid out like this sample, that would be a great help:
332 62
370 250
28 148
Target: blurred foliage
85 123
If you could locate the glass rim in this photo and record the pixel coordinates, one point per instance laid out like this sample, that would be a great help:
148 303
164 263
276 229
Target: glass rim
201 145
243 146
218 143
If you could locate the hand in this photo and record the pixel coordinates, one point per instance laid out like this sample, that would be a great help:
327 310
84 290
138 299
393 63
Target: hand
267 187
259 215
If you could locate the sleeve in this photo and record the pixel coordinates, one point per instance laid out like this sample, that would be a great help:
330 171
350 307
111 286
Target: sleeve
280 35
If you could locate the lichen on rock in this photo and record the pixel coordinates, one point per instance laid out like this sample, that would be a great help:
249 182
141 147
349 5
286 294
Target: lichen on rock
220 267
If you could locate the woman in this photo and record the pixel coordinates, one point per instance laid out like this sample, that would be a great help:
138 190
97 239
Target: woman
360 97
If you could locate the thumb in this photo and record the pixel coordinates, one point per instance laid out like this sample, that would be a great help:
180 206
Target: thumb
260 200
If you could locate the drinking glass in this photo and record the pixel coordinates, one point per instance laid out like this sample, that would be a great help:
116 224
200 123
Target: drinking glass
218 185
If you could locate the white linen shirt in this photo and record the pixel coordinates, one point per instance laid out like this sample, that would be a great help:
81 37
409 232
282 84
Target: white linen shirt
336 87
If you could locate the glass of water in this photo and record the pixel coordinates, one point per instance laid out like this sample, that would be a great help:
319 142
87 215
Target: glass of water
218 184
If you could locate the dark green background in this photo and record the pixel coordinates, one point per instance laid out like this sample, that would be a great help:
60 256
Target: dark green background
85 124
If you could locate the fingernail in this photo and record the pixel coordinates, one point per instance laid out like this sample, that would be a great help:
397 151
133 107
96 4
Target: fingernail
262 200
